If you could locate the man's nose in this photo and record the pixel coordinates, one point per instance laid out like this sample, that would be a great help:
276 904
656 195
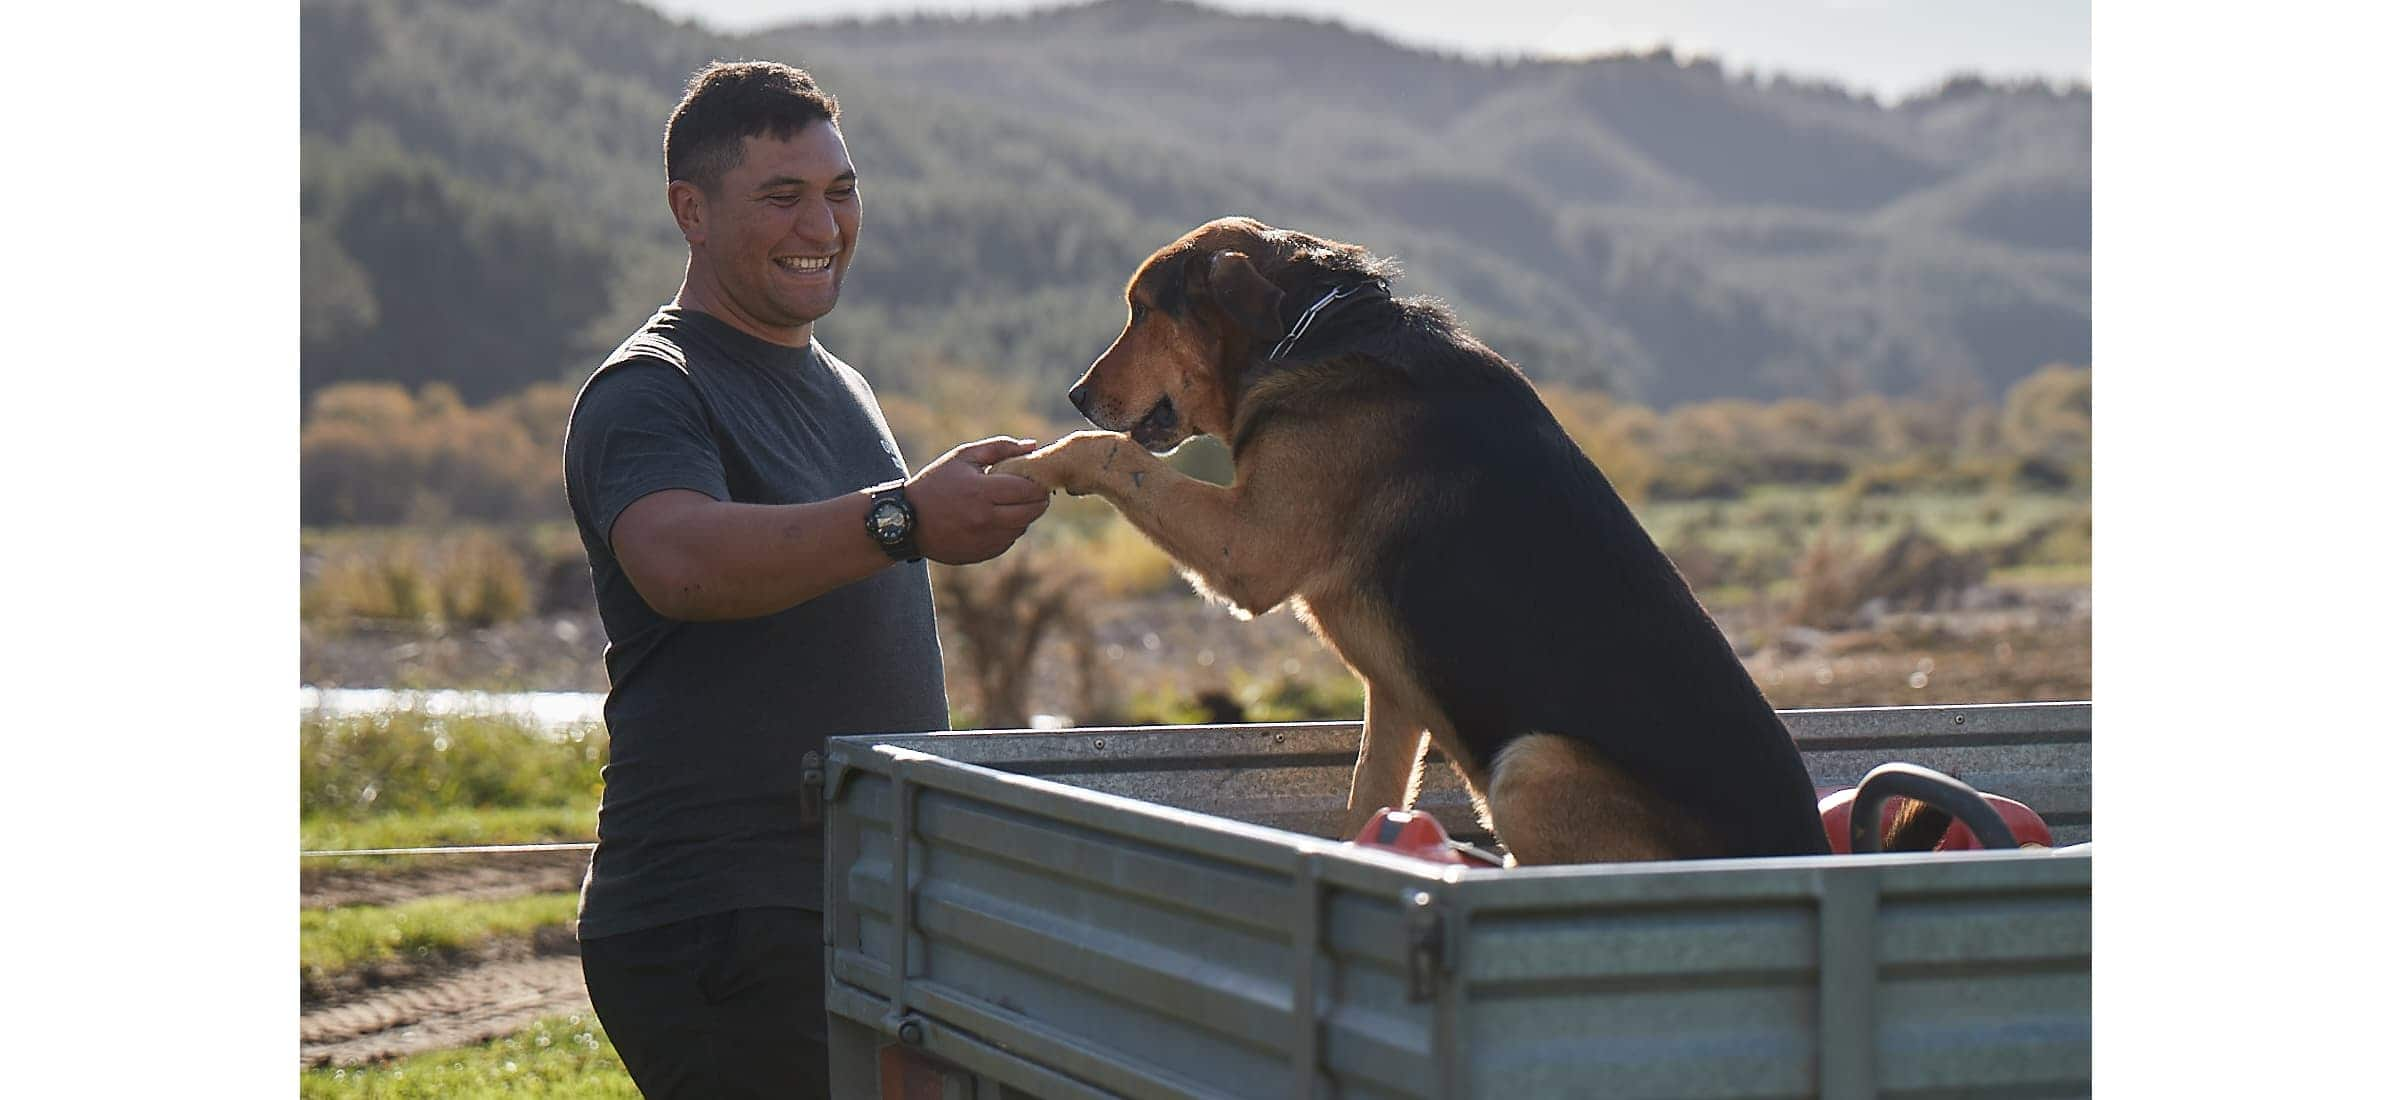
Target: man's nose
820 225
1079 398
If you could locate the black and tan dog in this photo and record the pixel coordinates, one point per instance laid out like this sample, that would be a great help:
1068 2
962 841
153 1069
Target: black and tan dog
1405 490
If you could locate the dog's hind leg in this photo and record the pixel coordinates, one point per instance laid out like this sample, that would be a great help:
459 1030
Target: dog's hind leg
1387 772
1554 799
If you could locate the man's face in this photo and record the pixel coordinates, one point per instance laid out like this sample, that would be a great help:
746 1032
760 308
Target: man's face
780 229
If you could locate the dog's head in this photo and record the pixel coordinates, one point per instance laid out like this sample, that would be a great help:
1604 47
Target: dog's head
1202 309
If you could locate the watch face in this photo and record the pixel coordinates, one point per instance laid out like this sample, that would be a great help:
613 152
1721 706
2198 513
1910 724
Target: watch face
888 521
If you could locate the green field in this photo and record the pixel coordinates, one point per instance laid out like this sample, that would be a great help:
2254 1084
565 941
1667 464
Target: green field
576 821
333 941
568 1056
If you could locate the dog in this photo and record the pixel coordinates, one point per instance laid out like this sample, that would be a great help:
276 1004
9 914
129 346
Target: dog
1402 487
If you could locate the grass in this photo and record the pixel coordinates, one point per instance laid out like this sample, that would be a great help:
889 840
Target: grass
1736 551
335 941
564 1056
1293 699
1782 517
1259 698
2053 575
576 821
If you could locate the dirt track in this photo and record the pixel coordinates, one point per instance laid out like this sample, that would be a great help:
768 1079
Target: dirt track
478 878
457 1009
417 1005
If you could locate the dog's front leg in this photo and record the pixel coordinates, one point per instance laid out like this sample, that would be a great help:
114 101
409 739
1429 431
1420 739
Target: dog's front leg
1227 546
1387 772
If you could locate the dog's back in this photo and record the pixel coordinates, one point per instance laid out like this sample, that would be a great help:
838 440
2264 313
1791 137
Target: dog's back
1534 602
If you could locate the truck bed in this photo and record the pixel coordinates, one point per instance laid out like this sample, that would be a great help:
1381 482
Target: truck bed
1153 912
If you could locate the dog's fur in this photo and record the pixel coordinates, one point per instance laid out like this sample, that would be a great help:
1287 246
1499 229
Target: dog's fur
1402 486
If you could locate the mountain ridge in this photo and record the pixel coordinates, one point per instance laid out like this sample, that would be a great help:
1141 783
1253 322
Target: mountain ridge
1642 223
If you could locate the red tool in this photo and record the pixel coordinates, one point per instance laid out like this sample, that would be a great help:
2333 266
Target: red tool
1415 834
2027 829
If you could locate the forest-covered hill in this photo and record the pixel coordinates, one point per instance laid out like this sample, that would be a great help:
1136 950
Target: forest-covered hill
482 196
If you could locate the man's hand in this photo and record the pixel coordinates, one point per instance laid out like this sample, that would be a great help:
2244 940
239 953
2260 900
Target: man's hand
1070 463
963 513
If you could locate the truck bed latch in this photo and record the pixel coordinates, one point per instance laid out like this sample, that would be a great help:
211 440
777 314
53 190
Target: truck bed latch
809 791
1424 943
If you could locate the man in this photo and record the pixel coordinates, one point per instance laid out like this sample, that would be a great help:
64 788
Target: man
756 549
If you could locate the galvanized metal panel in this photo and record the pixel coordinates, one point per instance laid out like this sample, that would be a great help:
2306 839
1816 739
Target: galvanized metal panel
1070 941
1152 954
1294 776
1979 963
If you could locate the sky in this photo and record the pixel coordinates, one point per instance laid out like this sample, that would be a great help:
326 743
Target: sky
1887 47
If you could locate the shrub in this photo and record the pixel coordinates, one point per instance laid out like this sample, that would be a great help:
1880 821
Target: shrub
2067 540
371 453
2049 413
1917 572
1917 473
469 577
1698 481
483 582
1826 582
1703 567
387 582
412 762
1608 433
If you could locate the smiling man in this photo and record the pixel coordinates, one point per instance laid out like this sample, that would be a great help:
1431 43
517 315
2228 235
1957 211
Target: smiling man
757 551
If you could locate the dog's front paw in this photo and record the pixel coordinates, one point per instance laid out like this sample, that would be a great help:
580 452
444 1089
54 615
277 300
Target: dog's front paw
1029 468
1074 463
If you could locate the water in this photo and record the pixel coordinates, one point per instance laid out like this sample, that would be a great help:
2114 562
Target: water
549 709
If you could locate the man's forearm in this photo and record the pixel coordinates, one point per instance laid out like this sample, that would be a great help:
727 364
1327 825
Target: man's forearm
697 559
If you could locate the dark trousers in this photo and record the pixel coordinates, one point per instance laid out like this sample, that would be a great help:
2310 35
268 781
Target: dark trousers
728 1004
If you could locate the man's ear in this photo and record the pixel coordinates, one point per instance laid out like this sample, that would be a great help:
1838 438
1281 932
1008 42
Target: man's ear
1243 294
689 209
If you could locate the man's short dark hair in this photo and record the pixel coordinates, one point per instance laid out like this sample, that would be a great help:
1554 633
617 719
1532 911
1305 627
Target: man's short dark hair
728 101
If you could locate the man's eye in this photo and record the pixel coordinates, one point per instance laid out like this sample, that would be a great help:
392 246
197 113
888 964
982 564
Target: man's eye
1137 310
843 194
781 200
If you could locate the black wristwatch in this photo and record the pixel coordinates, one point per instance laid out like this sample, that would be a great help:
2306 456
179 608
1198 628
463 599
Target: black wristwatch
890 522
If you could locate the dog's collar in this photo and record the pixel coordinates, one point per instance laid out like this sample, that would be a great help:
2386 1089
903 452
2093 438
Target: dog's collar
1335 299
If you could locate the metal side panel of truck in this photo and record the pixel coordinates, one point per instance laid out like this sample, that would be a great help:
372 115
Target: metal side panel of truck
1154 913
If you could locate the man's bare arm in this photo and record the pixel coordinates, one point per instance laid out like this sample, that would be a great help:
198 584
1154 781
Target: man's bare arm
697 559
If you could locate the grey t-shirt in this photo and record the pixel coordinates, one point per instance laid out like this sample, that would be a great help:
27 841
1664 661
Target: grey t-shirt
709 722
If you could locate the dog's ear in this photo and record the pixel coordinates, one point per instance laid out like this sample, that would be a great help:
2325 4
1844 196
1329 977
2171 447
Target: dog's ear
1243 294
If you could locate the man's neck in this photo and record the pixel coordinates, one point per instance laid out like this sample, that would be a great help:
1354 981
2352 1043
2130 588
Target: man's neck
702 295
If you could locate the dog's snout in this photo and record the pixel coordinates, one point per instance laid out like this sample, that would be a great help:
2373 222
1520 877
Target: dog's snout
1079 397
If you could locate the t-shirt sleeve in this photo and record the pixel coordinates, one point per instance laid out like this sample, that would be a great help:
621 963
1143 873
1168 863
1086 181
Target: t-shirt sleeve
638 429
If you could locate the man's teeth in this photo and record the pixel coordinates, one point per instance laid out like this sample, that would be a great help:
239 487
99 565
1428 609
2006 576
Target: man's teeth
804 263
